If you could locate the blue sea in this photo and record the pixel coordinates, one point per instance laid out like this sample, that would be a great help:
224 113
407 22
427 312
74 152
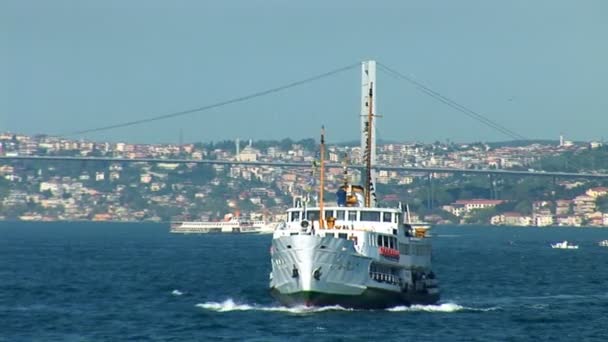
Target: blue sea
138 282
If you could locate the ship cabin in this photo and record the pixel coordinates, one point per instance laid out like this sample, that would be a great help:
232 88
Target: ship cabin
374 231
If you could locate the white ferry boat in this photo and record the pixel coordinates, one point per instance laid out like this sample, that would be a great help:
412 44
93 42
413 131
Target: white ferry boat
354 253
233 225
564 245
603 243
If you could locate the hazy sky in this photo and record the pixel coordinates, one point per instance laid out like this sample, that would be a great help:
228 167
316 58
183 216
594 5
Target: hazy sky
536 67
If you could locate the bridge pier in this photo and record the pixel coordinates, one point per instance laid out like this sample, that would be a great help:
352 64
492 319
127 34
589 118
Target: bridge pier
493 189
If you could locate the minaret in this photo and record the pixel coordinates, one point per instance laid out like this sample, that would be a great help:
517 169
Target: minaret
238 149
368 99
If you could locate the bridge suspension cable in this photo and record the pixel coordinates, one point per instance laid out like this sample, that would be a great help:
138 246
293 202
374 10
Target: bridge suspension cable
218 104
441 98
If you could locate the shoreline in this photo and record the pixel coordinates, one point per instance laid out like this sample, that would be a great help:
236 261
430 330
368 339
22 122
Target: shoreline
169 222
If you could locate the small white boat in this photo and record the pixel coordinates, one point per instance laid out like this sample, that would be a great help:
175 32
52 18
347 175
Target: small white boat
564 245
603 243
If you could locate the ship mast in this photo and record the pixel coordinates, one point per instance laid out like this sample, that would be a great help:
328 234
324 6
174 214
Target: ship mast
322 181
368 150
368 115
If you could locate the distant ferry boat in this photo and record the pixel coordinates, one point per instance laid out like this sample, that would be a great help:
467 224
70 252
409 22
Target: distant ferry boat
234 225
603 243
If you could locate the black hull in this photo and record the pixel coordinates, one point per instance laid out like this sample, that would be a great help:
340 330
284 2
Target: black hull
369 299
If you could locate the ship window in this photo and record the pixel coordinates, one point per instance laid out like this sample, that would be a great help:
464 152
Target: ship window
421 250
386 217
295 216
392 242
340 215
397 218
370 216
384 241
352 216
312 215
379 240
329 213
342 235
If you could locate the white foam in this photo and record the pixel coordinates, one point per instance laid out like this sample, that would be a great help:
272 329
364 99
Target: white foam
177 293
445 307
229 305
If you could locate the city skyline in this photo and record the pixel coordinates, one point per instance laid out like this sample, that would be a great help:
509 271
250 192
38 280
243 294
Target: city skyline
535 68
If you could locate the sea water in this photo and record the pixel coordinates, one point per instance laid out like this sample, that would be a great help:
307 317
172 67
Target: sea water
138 282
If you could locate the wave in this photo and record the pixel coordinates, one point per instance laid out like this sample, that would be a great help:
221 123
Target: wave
565 296
230 305
445 307
177 293
543 301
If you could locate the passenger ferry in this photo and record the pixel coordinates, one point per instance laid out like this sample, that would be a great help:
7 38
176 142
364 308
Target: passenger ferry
233 225
354 253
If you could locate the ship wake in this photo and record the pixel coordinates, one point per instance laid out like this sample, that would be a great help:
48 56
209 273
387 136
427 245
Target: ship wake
445 308
229 305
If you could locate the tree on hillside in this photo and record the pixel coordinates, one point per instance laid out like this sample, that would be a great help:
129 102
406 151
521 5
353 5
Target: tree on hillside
524 207
481 216
602 204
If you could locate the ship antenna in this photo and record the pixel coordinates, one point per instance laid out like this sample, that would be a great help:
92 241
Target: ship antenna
368 149
322 181
345 170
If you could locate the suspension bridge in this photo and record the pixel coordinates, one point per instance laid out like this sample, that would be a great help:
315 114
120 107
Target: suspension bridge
368 69
496 172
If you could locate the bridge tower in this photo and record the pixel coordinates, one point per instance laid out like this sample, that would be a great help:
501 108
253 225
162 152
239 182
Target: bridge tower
368 98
